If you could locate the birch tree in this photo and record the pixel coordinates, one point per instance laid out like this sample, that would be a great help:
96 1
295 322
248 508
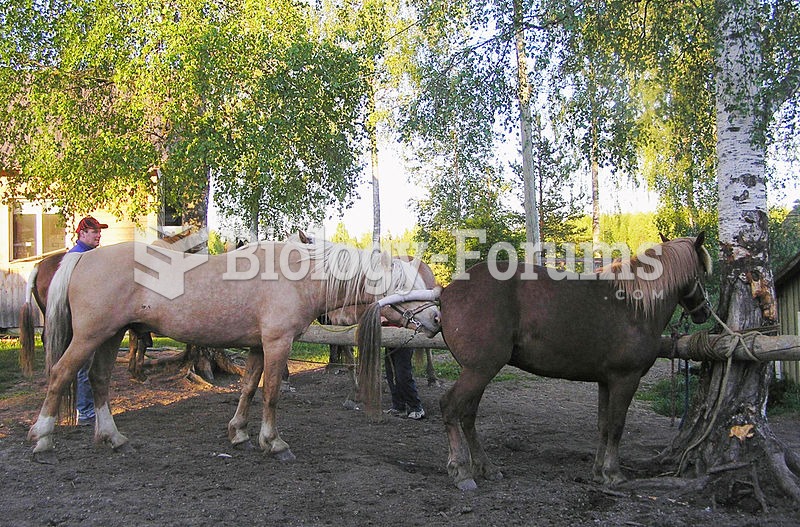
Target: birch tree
727 432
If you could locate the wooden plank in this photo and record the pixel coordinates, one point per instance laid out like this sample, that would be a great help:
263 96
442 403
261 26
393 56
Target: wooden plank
763 348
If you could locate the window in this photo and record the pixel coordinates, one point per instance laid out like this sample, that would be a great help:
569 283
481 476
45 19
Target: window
34 232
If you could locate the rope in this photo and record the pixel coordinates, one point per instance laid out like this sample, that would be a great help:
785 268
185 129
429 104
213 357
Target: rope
327 327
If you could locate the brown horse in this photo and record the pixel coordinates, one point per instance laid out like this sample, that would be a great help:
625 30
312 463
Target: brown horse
38 284
600 327
262 295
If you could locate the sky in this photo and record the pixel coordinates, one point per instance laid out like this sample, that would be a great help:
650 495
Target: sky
397 214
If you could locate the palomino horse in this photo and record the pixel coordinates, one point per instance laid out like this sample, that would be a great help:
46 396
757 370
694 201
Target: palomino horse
600 327
258 296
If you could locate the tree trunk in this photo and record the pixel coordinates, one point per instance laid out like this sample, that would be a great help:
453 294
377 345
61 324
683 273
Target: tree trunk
532 235
727 423
372 132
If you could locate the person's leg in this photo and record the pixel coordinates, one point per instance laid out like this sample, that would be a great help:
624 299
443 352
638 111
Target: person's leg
84 399
398 404
406 386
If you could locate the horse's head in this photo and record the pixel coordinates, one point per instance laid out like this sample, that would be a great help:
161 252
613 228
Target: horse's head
417 309
694 300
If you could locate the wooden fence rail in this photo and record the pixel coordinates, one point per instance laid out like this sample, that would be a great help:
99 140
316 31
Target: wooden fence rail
751 347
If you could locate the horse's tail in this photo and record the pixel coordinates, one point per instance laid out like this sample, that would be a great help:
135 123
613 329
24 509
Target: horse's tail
369 363
58 318
26 332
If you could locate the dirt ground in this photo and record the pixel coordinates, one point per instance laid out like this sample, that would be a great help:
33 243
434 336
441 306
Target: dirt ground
181 470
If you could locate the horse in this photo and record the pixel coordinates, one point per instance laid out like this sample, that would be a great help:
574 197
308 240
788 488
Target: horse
36 289
601 327
262 295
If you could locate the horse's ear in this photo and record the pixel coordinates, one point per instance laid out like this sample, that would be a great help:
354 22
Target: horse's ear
303 238
698 242
664 239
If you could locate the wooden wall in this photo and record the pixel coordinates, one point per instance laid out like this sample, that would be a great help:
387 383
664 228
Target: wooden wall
787 285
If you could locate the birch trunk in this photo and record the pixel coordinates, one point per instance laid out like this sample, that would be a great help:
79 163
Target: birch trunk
532 234
732 396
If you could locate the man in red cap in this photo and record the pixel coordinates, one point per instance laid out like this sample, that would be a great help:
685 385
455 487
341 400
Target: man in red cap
88 235
88 238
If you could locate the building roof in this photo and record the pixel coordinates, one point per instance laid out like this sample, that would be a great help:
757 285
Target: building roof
788 272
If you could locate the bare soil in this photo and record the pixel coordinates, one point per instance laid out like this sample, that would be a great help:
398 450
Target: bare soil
180 468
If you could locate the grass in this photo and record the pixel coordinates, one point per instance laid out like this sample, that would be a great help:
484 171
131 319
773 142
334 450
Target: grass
661 394
784 396
447 368
10 373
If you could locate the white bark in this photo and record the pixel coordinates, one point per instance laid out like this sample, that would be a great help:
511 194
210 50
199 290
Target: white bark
741 165
742 188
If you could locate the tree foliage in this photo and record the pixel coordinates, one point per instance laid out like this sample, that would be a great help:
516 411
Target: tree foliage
100 95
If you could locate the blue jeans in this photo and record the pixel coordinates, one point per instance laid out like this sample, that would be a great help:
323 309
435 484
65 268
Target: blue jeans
84 399
400 376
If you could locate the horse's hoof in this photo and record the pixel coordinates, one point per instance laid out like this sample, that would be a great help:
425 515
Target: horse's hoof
495 475
124 448
45 457
467 485
284 455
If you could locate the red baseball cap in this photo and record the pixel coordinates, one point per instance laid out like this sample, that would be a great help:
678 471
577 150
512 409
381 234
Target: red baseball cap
90 223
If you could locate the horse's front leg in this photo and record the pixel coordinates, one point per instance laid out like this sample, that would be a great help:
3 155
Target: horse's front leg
100 377
237 427
276 354
602 428
429 369
620 394
481 466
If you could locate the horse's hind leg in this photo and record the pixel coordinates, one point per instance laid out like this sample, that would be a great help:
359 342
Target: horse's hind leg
237 427
61 376
459 408
100 376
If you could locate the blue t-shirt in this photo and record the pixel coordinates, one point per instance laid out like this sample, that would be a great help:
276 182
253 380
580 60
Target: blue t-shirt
80 247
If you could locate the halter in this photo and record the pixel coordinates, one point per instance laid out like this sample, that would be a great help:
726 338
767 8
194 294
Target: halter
409 315
701 305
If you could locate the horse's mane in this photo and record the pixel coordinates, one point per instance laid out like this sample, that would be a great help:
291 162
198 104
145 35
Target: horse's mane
353 273
635 278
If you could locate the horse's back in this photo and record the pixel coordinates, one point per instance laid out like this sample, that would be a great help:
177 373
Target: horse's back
565 328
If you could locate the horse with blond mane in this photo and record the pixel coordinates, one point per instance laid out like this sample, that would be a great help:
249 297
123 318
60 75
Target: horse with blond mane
262 295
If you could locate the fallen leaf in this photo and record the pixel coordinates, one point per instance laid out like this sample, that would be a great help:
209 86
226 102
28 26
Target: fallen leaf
742 432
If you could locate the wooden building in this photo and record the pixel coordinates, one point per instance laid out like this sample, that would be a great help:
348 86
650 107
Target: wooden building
787 287
30 232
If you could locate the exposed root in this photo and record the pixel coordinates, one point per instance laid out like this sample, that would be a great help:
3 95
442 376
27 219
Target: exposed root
195 378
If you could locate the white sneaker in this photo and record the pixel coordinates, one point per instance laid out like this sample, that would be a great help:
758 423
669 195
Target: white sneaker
416 414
